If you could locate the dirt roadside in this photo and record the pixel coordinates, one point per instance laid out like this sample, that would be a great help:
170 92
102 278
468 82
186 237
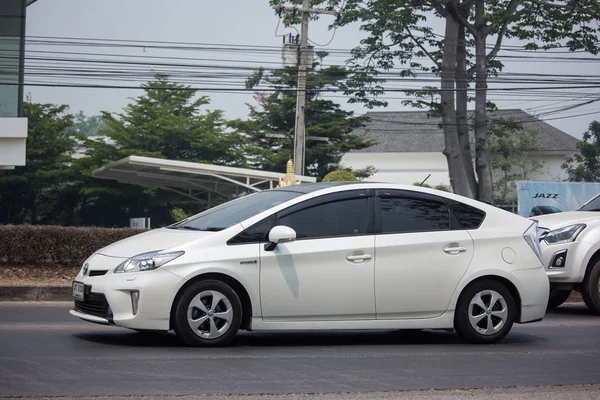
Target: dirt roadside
37 276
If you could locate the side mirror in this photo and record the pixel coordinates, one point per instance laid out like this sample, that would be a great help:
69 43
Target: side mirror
280 234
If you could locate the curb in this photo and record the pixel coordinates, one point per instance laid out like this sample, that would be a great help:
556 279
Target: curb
36 293
64 293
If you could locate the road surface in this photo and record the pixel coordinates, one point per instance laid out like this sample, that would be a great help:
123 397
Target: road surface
46 352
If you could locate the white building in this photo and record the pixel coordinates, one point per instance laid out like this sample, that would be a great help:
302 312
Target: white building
13 127
409 147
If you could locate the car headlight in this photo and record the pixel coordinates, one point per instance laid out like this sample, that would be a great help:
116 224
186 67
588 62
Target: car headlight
147 261
564 235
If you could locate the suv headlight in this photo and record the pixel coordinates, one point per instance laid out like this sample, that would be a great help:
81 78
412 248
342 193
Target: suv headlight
564 235
147 261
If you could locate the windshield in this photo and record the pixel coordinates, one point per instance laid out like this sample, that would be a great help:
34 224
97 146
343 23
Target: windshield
592 205
235 211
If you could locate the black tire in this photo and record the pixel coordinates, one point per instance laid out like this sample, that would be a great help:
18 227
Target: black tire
185 332
557 297
590 289
463 326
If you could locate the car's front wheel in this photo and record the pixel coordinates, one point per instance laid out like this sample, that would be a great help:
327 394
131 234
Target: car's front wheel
208 313
557 297
485 312
590 289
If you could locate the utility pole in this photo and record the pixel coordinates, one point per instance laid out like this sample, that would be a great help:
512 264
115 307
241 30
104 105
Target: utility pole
303 66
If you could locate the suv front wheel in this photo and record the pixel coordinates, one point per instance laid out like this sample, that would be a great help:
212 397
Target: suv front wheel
590 289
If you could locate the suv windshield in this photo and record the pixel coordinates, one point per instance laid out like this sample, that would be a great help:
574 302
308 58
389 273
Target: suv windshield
592 205
235 211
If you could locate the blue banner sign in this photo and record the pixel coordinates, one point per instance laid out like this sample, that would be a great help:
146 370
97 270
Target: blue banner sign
536 198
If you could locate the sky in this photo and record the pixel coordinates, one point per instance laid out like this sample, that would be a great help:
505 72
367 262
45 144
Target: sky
247 22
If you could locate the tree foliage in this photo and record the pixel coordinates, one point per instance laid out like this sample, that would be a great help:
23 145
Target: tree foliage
89 126
340 175
167 121
401 44
510 146
585 167
39 192
269 131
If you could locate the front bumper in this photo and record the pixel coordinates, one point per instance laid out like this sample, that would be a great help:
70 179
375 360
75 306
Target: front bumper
573 269
534 289
157 290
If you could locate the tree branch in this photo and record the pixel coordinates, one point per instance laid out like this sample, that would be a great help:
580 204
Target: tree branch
437 63
458 16
510 10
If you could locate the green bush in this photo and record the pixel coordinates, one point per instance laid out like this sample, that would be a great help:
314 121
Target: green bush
340 175
55 245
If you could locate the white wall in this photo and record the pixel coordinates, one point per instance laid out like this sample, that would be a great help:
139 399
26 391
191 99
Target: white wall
402 168
407 168
13 137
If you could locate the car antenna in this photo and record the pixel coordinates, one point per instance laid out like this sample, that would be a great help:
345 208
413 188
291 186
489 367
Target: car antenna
421 184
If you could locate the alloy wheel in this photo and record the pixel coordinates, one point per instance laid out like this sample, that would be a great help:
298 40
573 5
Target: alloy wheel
210 314
488 312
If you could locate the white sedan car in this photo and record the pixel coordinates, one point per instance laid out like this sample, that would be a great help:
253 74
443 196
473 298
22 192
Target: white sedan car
323 256
571 249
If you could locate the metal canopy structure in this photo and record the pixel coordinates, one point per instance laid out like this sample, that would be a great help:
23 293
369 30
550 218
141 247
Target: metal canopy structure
191 179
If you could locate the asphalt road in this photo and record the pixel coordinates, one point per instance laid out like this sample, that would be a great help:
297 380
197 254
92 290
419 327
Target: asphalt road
46 352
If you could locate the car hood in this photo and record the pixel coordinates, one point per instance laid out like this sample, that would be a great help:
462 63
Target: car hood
558 220
157 239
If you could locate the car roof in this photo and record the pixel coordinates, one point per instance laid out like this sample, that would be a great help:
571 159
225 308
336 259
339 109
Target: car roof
313 187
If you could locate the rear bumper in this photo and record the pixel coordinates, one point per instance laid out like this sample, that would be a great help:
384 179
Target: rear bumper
534 289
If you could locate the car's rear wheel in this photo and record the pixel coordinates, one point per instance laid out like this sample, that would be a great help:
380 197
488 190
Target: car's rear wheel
590 289
485 312
209 313
557 297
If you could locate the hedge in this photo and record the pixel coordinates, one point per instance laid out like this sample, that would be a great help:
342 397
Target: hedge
55 245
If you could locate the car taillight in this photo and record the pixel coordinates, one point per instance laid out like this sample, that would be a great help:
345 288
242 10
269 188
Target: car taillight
531 237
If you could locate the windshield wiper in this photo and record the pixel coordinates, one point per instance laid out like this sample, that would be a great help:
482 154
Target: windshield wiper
213 228
591 209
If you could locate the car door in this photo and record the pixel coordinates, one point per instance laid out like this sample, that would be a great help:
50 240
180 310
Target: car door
328 272
422 254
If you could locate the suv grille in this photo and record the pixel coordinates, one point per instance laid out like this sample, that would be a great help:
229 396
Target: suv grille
94 304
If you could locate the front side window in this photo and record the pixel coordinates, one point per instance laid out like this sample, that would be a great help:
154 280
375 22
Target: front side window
348 217
406 215
236 211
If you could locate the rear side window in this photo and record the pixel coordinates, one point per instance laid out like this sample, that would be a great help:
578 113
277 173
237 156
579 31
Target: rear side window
469 217
407 215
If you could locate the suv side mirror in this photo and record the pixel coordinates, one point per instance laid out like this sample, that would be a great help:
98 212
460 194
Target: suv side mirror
280 234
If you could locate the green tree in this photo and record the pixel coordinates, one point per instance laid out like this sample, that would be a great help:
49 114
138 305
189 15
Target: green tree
166 121
39 192
510 147
89 126
400 37
585 166
340 175
269 131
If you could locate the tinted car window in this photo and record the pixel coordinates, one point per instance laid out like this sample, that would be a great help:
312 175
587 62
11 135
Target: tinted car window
469 217
258 232
340 218
592 205
236 211
404 215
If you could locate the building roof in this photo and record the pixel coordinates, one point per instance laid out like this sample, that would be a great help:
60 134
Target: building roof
414 132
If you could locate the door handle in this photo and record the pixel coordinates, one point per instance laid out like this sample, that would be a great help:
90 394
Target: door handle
359 257
454 249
